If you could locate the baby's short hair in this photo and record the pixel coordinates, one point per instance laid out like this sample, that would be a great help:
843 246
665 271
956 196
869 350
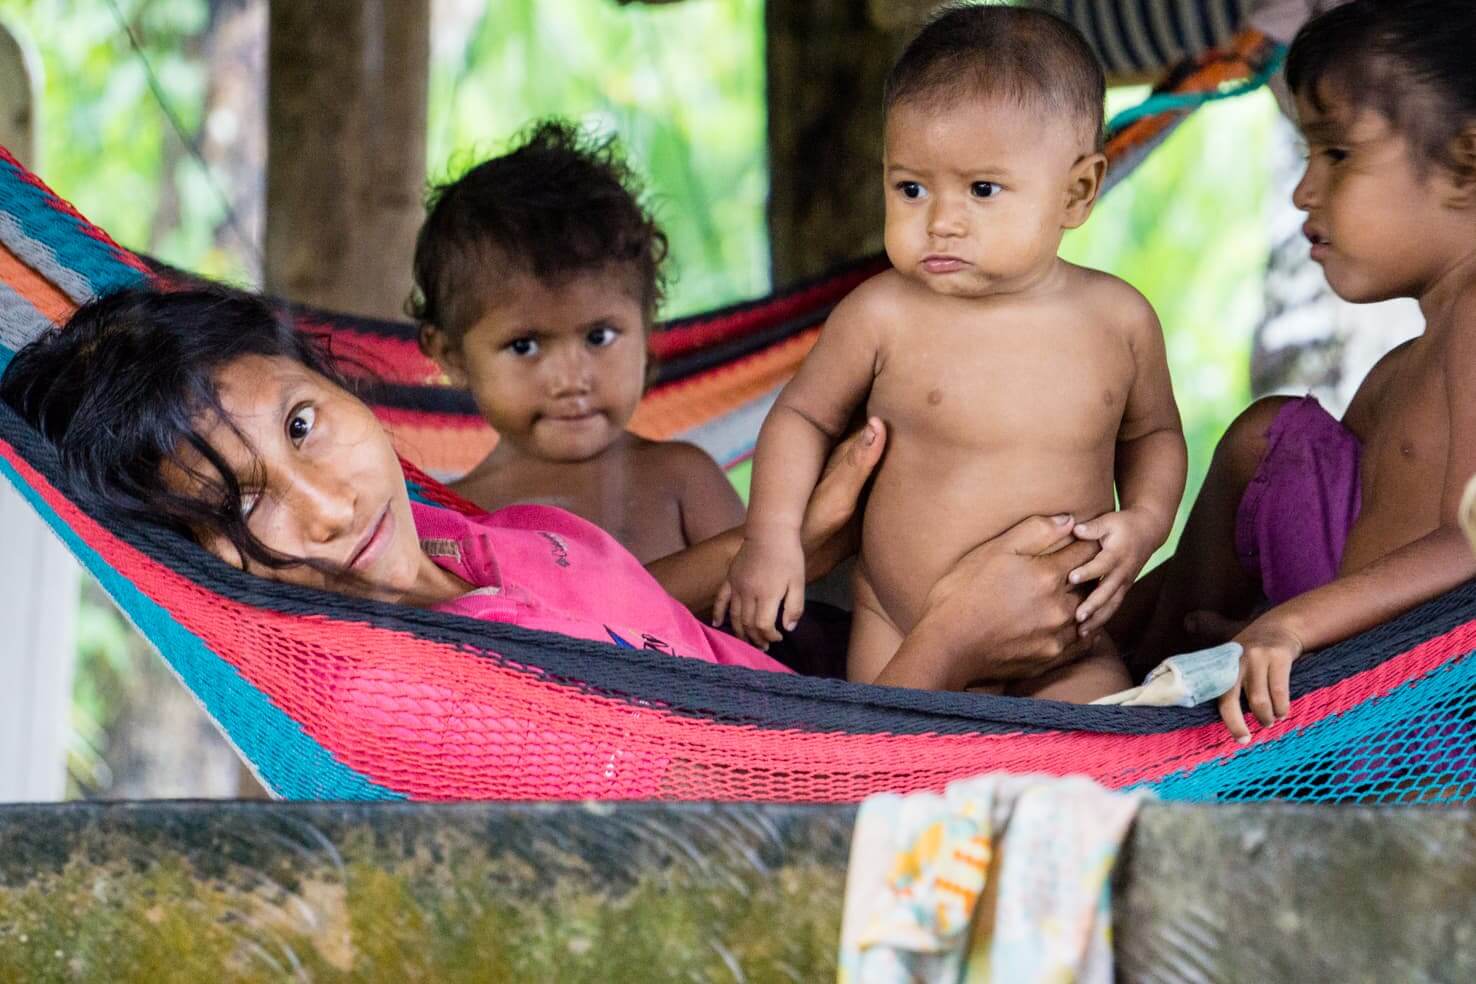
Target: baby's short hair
560 203
1409 60
987 51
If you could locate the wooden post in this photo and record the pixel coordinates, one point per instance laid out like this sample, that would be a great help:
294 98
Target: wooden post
827 60
20 76
346 127
39 580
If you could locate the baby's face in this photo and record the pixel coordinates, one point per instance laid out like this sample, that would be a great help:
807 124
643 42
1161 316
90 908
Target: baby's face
558 369
978 194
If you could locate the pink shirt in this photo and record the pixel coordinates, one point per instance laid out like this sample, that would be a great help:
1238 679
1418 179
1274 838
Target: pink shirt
546 569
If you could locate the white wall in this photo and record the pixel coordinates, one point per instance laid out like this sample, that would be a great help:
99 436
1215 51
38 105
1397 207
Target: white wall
38 610
39 580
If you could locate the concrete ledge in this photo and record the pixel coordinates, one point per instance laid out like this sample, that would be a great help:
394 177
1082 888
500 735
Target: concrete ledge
639 892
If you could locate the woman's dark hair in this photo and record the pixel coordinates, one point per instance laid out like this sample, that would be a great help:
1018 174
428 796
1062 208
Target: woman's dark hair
125 386
1413 61
561 203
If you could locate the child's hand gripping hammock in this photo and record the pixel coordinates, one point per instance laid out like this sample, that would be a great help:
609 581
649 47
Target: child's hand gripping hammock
336 698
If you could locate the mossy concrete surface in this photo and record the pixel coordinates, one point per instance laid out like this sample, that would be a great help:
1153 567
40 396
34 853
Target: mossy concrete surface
207 892
226 892
1276 892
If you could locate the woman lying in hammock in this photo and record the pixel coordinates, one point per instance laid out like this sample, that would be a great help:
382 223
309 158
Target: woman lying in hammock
200 411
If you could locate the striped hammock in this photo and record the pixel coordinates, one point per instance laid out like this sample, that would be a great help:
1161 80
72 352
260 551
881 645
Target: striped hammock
330 697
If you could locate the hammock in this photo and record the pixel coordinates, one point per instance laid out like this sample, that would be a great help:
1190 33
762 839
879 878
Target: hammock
330 697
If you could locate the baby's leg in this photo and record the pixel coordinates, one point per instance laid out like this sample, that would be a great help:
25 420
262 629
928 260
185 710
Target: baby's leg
1097 674
874 639
1204 573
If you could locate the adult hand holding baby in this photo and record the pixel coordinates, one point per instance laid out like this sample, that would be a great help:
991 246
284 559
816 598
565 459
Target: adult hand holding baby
1028 627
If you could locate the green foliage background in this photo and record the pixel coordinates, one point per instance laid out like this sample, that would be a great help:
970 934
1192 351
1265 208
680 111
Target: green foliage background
683 88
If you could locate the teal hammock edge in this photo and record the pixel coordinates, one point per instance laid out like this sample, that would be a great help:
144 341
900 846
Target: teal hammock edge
290 761
1171 102
1423 712
58 243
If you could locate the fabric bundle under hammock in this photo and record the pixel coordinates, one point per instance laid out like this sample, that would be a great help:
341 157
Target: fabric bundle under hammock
331 697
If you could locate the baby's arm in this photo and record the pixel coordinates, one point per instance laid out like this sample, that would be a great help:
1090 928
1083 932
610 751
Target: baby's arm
694 575
809 416
1151 463
1390 586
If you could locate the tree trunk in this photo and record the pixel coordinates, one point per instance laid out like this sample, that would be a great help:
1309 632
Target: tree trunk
232 137
827 60
346 118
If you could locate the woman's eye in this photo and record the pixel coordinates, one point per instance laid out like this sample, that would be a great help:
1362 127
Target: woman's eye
522 347
984 189
300 424
1335 154
602 336
910 189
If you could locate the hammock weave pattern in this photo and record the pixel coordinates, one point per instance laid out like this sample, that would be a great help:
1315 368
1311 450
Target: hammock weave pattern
335 698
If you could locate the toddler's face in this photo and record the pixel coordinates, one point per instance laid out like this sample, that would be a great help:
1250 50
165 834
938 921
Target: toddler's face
558 369
319 476
977 194
1376 224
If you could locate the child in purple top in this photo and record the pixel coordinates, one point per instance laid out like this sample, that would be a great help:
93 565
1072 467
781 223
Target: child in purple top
1341 525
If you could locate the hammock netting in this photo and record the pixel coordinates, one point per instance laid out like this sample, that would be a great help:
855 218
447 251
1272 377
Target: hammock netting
331 697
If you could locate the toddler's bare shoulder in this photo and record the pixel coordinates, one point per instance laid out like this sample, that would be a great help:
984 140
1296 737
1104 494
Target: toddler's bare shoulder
881 302
675 454
675 460
1117 304
1462 332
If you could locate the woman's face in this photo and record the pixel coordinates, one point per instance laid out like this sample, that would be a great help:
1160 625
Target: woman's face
320 482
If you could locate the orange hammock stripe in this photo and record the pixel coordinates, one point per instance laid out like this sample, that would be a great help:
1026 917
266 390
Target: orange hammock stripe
42 294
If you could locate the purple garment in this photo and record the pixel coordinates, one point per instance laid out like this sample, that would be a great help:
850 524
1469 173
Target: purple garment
1293 522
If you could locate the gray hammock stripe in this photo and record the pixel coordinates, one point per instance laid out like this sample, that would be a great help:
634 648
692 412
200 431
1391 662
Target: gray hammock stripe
1137 33
1133 36
42 258
1111 36
19 320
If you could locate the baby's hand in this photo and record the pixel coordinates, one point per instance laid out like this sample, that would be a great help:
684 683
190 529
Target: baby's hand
1128 538
1265 675
769 571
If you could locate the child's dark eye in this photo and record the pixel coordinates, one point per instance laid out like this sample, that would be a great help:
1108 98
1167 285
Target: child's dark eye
523 347
910 189
984 189
1335 154
300 424
602 336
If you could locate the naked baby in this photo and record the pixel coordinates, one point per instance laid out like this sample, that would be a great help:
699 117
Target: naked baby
1012 382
